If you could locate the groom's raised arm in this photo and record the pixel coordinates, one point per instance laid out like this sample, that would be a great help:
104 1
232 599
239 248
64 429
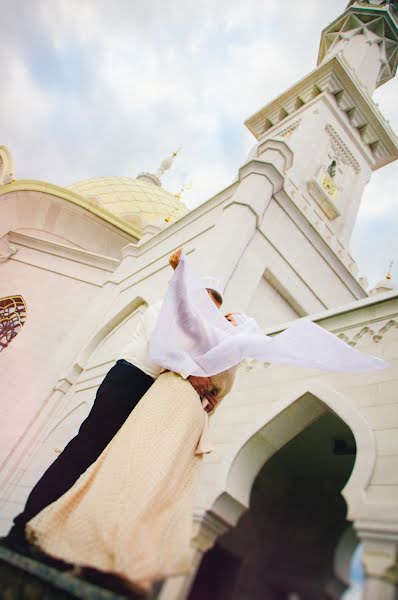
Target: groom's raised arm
188 321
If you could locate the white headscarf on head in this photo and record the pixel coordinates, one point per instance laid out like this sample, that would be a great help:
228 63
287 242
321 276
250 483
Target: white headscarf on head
192 336
212 283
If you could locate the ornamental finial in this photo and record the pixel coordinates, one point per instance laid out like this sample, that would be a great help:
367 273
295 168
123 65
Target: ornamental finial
166 163
389 276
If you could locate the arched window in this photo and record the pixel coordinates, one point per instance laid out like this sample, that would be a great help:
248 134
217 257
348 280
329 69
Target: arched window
12 318
332 169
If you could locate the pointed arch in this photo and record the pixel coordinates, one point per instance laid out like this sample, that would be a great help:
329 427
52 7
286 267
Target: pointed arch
304 405
84 377
108 328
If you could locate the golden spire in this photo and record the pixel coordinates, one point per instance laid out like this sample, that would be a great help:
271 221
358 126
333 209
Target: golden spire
388 276
155 178
166 163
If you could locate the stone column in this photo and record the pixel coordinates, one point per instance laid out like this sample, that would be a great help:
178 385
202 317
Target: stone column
178 588
380 561
207 528
259 180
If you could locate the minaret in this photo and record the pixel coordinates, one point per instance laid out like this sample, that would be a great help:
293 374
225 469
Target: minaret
329 120
335 130
317 146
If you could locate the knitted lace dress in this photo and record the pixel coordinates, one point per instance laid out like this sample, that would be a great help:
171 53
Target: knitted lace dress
131 512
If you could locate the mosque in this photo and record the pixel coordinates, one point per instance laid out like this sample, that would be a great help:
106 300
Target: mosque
305 465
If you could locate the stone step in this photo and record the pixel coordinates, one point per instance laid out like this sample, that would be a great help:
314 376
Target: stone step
23 578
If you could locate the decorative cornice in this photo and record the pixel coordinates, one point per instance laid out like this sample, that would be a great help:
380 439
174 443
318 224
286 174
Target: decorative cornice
333 77
76 254
287 131
376 336
342 152
249 363
376 327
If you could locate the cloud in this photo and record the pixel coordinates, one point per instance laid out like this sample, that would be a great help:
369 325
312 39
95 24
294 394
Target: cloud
101 88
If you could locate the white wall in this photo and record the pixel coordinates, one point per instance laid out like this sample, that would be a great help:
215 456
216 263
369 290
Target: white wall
29 365
64 415
269 307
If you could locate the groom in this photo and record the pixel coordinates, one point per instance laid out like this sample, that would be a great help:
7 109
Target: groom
121 390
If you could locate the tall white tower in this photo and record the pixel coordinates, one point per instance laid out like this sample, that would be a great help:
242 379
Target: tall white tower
301 187
335 130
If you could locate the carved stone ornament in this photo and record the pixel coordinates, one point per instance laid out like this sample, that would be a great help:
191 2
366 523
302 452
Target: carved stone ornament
376 336
12 318
324 191
329 186
289 130
342 153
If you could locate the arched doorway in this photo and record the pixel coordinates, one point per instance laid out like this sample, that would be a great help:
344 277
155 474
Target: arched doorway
283 547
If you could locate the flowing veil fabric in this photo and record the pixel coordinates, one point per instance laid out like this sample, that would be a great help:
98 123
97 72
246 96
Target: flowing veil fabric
192 336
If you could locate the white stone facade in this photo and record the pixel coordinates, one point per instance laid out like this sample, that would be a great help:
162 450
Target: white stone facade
278 238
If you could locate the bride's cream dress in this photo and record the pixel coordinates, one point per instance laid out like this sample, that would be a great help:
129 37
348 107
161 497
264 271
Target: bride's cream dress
131 512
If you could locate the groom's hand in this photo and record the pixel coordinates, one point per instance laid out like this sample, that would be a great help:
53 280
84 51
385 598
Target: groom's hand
174 258
204 387
201 384
211 401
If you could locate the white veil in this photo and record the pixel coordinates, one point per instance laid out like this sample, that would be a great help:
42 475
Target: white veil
193 337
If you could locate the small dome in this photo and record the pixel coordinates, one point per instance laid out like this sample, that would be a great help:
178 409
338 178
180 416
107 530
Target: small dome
137 201
386 285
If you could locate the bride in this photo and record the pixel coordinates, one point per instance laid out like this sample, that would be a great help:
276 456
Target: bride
130 514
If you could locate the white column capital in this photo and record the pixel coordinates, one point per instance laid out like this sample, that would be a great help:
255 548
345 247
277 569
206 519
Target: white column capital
207 529
380 560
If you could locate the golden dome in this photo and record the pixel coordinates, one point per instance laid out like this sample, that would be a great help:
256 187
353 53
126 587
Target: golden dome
137 201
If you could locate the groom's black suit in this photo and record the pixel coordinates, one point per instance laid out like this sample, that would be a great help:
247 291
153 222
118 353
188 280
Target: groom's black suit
121 390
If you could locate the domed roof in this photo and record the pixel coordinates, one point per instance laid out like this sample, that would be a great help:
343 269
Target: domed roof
137 201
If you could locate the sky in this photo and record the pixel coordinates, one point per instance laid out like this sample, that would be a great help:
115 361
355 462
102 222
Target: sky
111 87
